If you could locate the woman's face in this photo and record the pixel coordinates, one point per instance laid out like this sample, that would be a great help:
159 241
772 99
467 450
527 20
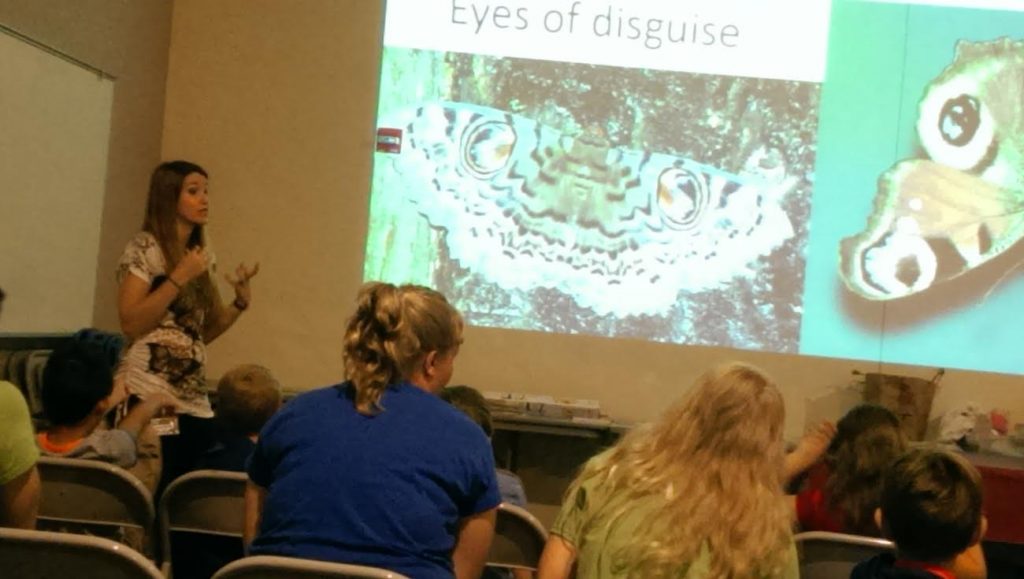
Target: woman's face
193 200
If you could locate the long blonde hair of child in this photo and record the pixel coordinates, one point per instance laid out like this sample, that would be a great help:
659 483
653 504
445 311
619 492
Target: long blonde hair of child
715 458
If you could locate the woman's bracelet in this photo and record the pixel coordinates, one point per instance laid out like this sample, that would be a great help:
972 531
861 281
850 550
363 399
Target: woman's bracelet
240 305
176 284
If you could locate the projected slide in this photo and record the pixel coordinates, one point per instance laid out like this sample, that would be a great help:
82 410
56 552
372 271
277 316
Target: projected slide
716 173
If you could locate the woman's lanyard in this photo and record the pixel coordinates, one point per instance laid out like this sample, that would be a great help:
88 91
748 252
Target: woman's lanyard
940 572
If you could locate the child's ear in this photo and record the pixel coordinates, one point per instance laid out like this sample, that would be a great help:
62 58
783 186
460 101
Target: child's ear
429 362
981 532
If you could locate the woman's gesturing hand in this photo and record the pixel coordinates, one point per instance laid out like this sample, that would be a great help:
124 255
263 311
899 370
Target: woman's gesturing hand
240 281
192 265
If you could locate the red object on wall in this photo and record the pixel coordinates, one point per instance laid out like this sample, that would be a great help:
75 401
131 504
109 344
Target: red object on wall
389 140
1002 478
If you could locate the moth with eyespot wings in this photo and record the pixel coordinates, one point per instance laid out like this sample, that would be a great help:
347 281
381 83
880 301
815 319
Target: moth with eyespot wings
621 231
939 217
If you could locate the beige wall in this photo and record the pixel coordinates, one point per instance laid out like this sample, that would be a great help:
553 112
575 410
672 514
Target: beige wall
129 40
277 100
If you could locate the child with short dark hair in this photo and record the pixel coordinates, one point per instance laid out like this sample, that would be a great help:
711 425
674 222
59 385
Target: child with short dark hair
78 391
471 402
931 509
247 396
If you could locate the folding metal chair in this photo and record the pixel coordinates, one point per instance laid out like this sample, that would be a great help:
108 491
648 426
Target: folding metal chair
94 493
43 554
519 539
202 502
830 555
268 567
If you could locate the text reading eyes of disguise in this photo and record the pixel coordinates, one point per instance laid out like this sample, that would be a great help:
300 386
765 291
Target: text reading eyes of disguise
611 22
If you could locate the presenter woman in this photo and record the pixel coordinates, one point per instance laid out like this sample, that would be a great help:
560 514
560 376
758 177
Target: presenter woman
170 308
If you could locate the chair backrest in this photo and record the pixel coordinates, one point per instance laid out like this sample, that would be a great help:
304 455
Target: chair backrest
269 567
95 493
34 365
203 501
32 554
518 539
17 364
829 555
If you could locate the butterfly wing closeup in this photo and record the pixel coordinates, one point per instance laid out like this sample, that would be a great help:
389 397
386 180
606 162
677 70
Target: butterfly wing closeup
937 218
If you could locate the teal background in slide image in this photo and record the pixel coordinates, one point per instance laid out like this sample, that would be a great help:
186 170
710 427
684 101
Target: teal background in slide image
881 59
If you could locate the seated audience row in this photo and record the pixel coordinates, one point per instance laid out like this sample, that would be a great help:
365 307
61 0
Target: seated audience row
379 470
698 493
79 392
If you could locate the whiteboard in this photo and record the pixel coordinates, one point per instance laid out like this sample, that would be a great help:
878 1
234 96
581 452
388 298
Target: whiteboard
55 119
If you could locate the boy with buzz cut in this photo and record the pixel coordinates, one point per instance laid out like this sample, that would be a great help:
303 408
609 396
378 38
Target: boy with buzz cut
931 509
78 391
247 396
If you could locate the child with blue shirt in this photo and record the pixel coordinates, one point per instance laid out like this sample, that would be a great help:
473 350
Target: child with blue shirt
472 403
378 470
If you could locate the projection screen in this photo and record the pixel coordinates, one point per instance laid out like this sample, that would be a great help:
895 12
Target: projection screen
836 179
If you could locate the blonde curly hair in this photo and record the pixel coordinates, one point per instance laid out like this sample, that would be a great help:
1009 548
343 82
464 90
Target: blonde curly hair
391 331
715 459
